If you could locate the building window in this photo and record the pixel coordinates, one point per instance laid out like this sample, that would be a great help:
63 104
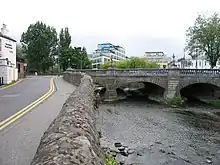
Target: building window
205 63
98 66
200 63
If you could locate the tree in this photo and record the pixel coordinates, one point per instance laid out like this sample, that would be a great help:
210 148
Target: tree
39 43
80 59
20 51
65 49
133 62
203 38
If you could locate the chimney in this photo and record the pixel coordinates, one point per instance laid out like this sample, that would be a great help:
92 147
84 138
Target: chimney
4 30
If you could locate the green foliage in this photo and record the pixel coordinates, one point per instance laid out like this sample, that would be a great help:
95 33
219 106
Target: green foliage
79 59
72 57
215 103
109 160
64 48
20 51
133 62
204 38
175 101
39 43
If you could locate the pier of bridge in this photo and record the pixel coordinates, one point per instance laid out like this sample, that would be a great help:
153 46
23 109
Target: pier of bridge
167 83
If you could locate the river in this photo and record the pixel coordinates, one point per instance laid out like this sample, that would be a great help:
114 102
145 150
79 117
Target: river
160 135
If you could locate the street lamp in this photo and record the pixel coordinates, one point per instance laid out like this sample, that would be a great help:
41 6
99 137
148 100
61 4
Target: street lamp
173 59
111 61
68 62
196 58
184 59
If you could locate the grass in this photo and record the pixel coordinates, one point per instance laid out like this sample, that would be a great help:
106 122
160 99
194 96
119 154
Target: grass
175 102
110 160
215 103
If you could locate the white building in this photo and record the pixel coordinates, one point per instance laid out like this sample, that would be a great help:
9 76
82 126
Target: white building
158 57
106 52
199 63
8 71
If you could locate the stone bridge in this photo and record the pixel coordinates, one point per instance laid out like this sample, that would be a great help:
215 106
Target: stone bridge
168 83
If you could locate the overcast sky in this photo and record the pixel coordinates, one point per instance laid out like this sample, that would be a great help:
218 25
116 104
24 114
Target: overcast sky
137 25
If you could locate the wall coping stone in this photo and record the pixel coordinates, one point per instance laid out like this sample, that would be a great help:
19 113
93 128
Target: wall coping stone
72 138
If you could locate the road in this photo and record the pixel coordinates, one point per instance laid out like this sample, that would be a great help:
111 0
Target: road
15 98
19 141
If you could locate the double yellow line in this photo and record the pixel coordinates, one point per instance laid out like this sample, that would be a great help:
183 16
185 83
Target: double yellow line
26 109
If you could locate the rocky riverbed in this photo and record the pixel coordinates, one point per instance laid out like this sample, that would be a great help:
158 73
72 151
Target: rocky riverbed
154 134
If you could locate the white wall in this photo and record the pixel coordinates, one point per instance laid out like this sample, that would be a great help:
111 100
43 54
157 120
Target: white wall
8 50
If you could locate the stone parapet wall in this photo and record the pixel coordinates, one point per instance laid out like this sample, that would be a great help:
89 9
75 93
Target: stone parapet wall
72 138
73 77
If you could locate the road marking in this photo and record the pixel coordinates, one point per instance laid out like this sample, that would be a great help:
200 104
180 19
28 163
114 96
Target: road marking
26 109
7 86
11 95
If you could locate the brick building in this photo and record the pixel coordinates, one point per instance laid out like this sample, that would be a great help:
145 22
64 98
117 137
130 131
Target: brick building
21 66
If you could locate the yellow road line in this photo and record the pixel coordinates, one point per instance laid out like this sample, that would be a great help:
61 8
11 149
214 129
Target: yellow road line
26 109
7 86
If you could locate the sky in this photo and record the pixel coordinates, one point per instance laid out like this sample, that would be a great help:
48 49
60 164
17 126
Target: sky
137 25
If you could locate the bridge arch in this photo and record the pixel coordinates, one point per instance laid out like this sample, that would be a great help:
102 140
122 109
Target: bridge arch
161 82
208 81
201 89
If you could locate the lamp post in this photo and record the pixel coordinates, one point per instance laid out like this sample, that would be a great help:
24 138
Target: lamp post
68 62
81 61
111 61
184 59
173 59
196 58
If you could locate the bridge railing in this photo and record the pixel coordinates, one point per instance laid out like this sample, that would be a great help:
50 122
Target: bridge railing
152 72
199 72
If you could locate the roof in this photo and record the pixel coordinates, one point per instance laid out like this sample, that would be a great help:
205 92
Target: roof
154 52
7 37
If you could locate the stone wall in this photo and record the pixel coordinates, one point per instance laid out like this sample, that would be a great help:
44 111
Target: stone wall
73 77
72 138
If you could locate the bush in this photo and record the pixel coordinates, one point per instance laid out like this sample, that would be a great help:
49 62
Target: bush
215 103
110 160
175 101
133 62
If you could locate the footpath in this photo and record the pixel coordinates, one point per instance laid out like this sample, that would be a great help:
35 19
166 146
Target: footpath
19 141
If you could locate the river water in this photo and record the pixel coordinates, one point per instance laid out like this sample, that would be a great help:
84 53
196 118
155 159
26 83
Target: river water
161 135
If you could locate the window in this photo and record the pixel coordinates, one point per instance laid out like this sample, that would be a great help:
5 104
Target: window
200 63
205 63
98 66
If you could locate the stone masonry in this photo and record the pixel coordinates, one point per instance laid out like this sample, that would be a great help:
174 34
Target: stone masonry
72 138
171 80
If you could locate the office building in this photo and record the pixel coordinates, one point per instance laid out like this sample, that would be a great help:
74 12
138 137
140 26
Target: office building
106 52
158 57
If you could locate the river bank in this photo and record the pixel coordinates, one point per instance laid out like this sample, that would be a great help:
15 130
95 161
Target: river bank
161 135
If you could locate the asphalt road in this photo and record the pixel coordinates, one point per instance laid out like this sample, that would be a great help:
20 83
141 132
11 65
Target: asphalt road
19 141
15 98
